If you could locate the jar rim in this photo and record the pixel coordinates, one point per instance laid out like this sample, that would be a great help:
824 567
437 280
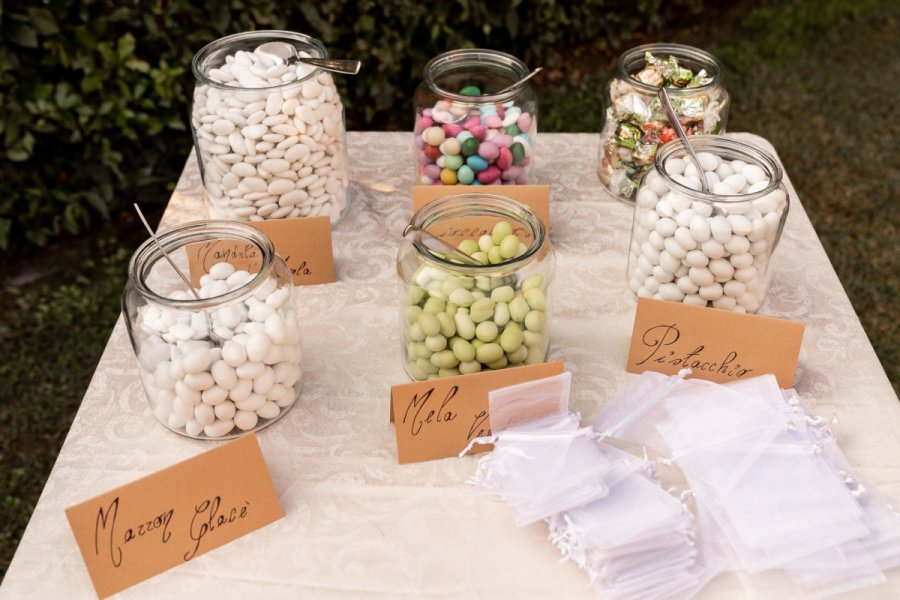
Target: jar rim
257 37
469 57
489 204
629 58
744 151
148 254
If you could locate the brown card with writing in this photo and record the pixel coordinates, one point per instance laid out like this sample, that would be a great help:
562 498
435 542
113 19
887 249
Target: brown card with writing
304 244
536 197
717 345
438 418
143 528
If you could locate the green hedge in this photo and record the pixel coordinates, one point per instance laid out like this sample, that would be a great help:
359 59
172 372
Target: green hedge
95 93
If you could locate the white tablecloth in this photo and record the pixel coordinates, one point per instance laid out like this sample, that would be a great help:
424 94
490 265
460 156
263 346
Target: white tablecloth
356 523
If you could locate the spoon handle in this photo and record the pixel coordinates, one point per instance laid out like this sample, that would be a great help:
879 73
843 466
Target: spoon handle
347 67
676 125
436 244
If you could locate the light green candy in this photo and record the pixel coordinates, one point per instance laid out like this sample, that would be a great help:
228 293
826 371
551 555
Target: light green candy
536 299
452 161
483 283
448 325
500 363
412 313
519 356
426 366
448 372
501 314
488 353
532 339
469 247
487 331
462 297
463 350
465 327
415 333
471 366
511 338
481 257
414 371
509 246
481 310
518 308
501 230
415 294
485 243
535 321
420 350
503 293
535 356
436 343
532 282
445 359
494 255
429 324
434 305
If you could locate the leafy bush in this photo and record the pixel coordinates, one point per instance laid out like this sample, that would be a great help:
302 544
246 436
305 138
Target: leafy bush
95 92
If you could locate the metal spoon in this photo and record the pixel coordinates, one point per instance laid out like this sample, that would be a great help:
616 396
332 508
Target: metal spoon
436 244
289 56
676 125
519 83
209 326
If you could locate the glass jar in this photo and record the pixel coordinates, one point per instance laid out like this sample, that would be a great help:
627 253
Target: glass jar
708 248
634 124
269 137
468 131
460 318
229 362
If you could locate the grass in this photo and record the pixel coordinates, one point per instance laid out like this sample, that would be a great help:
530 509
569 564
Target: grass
817 79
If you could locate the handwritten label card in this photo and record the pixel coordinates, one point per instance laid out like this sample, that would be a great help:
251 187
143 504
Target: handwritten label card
536 197
304 244
438 418
141 529
717 345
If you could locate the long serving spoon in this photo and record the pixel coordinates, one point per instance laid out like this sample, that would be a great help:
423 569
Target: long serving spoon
436 244
519 83
212 336
288 54
676 125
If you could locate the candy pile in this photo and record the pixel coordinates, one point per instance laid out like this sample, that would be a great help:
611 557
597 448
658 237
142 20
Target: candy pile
473 143
699 253
271 150
239 376
635 123
457 324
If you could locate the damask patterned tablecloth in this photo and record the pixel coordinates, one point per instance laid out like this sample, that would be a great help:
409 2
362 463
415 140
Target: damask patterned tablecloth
357 524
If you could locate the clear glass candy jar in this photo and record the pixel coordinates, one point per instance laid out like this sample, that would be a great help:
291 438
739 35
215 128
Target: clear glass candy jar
634 124
468 132
269 137
230 362
460 318
708 248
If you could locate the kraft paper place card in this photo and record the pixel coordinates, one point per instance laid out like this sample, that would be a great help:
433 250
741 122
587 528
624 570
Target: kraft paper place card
536 197
718 345
438 418
143 528
304 243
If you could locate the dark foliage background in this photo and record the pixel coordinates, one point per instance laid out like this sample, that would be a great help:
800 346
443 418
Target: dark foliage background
95 92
